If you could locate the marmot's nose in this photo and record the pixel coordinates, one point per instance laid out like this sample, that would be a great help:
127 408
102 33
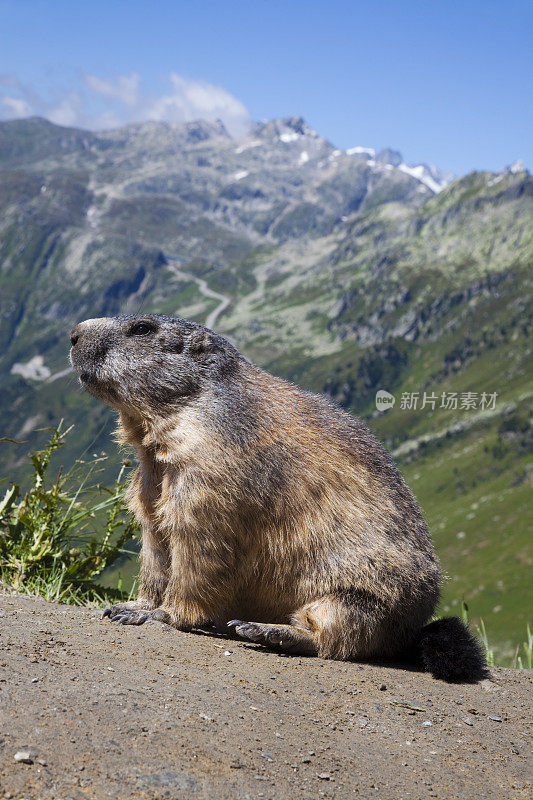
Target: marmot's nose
75 334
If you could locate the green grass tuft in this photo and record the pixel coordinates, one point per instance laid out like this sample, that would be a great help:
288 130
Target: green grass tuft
58 537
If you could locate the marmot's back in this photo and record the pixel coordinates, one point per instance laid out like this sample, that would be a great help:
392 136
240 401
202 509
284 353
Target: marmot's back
330 500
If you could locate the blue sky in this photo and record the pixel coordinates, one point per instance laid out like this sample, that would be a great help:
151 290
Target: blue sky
444 82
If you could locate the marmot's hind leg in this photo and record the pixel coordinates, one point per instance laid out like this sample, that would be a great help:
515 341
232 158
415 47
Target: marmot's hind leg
346 624
356 624
285 638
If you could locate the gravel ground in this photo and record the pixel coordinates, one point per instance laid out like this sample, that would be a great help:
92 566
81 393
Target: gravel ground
106 711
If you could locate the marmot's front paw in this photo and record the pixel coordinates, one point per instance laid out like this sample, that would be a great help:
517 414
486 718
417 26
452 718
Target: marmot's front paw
130 616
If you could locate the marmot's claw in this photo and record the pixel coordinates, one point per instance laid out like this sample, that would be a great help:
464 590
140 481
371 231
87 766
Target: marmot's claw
284 638
125 616
113 611
234 622
250 630
131 617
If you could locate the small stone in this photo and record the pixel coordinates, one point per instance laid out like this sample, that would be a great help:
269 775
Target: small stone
495 718
306 760
227 652
35 680
110 669
324 776
468 721
42 762
24 756
427 723
383 687
490 686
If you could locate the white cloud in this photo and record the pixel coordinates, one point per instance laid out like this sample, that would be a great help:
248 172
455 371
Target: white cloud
67 111
102 103
192 100
124 88
18 106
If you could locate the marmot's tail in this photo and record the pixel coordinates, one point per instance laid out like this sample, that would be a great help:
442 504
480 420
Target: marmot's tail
448 650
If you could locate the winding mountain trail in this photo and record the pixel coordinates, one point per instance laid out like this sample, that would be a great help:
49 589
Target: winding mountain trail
223 299
91 709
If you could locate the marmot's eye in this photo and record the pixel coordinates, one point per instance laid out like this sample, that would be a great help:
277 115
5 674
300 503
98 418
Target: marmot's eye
141 329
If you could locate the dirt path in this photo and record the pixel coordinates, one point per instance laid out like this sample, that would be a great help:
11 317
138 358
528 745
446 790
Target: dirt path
223 299
120 712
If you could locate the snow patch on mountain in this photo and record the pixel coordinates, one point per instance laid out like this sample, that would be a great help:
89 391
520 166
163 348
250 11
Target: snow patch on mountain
361 151
422 174
35 369
427 174
289 137
516 167
248 146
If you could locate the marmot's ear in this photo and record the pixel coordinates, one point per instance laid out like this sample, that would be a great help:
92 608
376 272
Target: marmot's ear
199 342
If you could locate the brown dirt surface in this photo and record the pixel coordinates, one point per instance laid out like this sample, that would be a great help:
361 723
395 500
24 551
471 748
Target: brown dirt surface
111 711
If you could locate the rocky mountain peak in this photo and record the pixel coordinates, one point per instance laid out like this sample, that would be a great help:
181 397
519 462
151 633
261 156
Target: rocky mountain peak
516 166
389 156
201 130
288 129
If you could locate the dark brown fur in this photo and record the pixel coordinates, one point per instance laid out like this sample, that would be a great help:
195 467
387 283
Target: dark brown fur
258 501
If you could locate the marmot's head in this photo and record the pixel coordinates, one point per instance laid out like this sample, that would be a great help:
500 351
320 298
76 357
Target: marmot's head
149 363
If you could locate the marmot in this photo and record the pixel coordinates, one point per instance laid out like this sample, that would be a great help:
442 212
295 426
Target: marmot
264 507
